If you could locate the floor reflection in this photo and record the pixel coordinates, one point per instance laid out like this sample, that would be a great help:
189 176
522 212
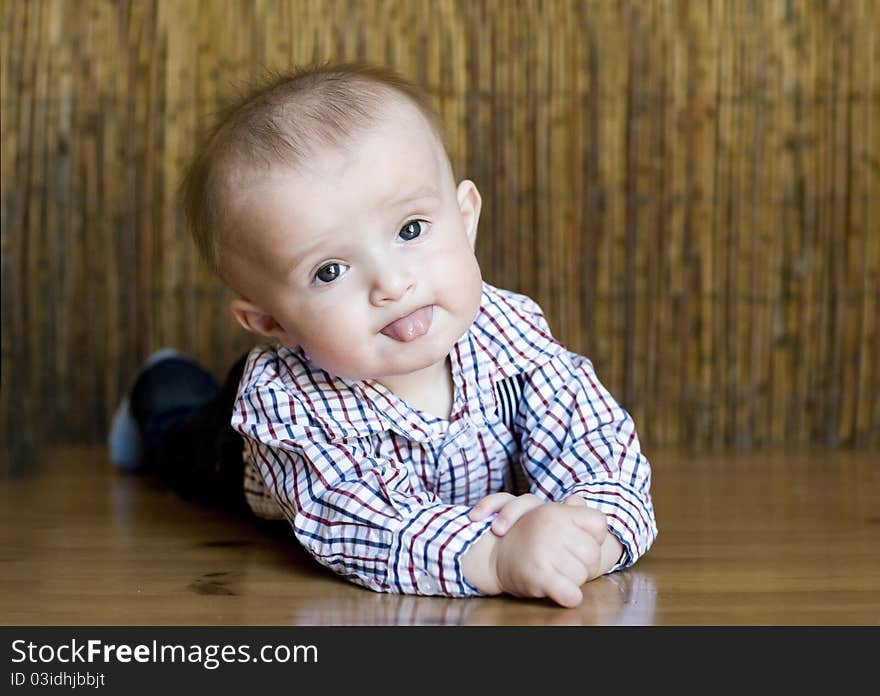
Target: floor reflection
626 598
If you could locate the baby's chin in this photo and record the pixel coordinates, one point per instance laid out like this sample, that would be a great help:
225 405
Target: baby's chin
402 362
372 368
413 359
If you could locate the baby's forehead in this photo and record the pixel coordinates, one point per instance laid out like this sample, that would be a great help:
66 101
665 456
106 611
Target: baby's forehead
397 124
368 176
399 147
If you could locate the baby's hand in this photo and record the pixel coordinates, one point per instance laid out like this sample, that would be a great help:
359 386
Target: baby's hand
551 551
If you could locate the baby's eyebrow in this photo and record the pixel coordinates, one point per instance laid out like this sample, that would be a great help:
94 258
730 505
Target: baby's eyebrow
288 265
418 194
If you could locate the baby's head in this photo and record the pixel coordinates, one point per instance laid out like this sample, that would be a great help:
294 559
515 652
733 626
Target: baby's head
327 202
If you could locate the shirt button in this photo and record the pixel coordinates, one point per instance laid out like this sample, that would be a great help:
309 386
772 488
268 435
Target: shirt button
427 584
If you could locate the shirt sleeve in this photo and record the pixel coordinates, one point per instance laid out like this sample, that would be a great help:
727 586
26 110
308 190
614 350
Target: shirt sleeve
576 439
365 517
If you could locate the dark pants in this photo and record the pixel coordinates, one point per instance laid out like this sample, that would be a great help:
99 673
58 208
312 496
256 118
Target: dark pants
183 418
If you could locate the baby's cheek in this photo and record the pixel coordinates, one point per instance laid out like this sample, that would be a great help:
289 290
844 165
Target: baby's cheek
469 290
459 274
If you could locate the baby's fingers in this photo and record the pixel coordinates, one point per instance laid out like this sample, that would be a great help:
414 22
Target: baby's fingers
563 591
488 505
513 510
593 522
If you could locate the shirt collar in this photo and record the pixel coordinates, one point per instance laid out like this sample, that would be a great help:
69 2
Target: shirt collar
508 336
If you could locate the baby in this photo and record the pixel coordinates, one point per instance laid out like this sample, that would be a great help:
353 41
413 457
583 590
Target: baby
420 430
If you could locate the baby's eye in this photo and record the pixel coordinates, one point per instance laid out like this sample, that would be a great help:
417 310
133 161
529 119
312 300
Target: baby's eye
330 272
412 229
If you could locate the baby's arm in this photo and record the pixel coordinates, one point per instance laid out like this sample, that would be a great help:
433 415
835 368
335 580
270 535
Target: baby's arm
578 441
368 520
364 516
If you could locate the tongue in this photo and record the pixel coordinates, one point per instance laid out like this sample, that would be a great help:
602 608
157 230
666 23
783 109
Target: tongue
411 326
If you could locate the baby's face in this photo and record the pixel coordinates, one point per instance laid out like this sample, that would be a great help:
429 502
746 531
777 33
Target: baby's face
363 256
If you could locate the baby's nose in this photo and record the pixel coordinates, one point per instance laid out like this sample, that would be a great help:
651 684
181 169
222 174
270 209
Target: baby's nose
391 286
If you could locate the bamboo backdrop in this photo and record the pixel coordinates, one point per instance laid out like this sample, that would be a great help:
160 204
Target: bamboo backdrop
690 190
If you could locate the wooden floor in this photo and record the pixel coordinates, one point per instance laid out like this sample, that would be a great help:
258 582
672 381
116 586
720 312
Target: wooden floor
766 539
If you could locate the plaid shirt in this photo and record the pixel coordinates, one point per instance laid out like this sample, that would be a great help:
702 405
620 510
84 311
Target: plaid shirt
380 492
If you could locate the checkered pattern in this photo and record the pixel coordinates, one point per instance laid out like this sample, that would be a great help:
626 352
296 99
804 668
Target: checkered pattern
379 492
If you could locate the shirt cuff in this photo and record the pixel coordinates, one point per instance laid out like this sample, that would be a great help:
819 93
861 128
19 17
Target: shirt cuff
628 518
426 554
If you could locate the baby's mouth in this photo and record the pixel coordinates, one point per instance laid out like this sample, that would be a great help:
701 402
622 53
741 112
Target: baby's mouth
411 326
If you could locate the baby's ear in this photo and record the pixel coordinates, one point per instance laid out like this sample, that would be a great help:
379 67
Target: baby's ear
470 204
255 320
